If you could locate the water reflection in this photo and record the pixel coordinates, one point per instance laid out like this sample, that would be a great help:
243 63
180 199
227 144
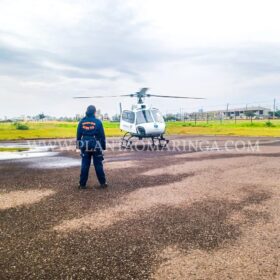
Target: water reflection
24 150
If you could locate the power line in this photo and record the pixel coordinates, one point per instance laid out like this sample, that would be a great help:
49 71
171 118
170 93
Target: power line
274 108
268 105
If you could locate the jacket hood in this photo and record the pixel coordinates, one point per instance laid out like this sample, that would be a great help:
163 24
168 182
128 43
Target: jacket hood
90 111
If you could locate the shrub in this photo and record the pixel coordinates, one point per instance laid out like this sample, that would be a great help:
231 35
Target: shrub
186 124
21 126
269 124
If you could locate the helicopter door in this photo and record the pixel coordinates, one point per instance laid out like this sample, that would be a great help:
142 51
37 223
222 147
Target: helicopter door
127 121
128 116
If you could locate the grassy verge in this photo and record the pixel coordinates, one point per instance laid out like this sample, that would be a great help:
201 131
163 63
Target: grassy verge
242 128
8 149
41 130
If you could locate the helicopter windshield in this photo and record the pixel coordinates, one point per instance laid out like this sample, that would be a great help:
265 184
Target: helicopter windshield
128 116
157 116
144 116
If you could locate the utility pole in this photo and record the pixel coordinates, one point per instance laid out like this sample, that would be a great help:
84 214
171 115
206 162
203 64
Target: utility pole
274 108
120 108
227 110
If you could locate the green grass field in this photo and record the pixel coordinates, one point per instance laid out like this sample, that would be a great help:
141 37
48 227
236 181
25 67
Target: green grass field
9 149
8 131
228 128
42 130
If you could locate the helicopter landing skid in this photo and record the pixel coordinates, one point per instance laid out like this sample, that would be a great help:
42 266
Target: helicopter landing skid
162 142
126 141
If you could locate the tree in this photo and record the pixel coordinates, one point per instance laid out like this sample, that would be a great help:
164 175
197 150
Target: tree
171 117
116 118
250 114
277 114
41 116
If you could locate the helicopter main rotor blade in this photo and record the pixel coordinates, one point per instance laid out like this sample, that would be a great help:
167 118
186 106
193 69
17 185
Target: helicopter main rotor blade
100 96
170 96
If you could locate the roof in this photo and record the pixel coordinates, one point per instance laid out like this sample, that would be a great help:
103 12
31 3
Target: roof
256 108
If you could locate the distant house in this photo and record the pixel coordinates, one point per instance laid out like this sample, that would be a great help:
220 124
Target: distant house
240 113
232 113
106 117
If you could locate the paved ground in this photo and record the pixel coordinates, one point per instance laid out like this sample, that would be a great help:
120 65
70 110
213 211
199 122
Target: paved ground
186 213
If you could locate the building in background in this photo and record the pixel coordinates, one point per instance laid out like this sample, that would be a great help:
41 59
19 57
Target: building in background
242 113
232 113
106 117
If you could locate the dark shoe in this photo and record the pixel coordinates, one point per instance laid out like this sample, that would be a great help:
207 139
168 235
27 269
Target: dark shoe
104 186
82 187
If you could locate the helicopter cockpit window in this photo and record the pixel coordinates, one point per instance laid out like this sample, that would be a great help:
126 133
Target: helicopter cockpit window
144 116
128 116
157 116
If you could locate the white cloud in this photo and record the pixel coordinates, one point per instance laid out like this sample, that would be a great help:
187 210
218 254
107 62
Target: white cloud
52 50
202 22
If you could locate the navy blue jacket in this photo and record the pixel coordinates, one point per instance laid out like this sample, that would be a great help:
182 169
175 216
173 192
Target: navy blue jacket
90 127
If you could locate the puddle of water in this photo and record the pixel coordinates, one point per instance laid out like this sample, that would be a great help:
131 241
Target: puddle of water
23 150
22 155
36 156
53 162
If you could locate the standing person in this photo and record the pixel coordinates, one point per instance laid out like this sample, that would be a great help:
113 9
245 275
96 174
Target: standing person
91 141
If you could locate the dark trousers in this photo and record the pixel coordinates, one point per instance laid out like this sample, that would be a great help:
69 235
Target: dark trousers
98 165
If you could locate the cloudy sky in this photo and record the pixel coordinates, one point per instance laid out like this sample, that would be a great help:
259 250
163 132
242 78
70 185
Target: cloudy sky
50 51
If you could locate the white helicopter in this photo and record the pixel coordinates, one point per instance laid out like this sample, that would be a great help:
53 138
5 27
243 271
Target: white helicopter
142 122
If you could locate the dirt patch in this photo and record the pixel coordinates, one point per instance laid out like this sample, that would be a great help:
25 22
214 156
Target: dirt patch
134 244
206 216
128 206
228 263
119 164
19 198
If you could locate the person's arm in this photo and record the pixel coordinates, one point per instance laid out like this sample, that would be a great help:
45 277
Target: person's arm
79 136
79 131
102 137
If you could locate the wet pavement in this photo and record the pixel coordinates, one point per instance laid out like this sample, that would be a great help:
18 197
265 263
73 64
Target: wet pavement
25 150
192 212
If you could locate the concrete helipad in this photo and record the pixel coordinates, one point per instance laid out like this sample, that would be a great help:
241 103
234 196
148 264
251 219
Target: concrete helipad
209 209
